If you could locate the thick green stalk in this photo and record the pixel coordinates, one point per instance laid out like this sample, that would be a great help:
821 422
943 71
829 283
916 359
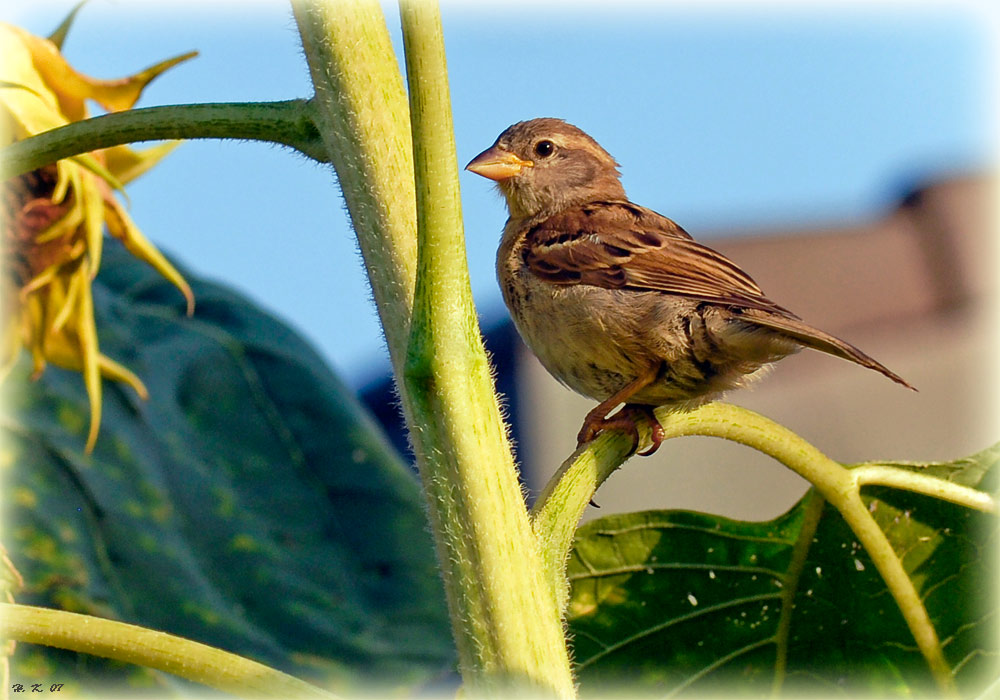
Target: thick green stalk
137 645
361 112
506 624
288 123
505 619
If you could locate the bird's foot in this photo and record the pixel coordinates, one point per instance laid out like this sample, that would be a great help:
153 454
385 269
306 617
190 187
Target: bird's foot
656 433
625 420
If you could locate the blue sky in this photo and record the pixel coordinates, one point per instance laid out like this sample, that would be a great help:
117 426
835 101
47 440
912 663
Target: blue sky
723 116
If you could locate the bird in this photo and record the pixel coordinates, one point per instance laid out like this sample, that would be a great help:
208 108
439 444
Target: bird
617 301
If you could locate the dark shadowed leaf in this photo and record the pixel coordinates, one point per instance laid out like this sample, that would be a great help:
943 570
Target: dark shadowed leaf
249 504
674 603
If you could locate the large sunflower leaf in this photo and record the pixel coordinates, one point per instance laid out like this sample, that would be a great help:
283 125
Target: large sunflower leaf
674 603
250 504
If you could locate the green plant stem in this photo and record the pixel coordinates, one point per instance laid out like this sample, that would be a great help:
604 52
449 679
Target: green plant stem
361 111
570 490
137 645
886 475
288 123
558 509
506 625
506 622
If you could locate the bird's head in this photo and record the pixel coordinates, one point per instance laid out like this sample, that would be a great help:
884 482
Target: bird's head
544 166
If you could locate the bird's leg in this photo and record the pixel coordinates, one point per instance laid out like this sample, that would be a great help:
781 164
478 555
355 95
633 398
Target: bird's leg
596 421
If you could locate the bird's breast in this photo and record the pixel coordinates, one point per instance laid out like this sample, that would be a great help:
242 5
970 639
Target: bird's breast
577 332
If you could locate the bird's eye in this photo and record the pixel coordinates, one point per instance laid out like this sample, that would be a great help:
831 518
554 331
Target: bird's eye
544 148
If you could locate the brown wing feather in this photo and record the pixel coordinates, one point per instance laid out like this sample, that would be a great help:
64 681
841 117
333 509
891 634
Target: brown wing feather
620 245
821 340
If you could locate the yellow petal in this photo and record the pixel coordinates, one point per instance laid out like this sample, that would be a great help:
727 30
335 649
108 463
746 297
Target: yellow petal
70 302
116 95
122 228
115 371
66 226
70 87
32 325
127 164
11 340
92 200
33 104
87 331
40 280
59 35
92 164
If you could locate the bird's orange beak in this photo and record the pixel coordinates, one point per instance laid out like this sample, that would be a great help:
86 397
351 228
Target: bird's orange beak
497 164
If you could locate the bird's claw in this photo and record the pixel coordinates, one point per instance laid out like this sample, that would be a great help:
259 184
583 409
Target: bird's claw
625 420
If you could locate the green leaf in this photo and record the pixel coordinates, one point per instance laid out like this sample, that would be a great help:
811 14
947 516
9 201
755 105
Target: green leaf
250 504
677 603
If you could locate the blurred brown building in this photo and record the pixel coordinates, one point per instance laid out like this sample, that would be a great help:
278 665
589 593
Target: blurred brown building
915 289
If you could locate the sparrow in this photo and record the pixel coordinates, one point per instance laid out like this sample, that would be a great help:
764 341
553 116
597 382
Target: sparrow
618 302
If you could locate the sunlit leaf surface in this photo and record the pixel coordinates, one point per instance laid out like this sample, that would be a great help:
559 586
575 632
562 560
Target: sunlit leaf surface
677 603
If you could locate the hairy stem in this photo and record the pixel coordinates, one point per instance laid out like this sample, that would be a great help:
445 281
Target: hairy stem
559 507
506 622
361 112
288 123
137 645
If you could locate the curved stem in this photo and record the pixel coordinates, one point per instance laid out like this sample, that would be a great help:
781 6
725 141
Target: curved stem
886 475
559 507
837 484
289 123
137 645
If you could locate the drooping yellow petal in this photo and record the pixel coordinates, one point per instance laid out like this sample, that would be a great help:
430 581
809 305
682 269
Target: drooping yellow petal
11 338
122 228
87 331
40 280
69 303
63 227
92 201
127 164
115 371
93 165
32 325
66 175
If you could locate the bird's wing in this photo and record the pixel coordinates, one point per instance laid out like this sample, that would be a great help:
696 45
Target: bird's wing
618 245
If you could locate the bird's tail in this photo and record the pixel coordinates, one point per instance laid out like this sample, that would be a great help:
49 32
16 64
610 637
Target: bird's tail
820 340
